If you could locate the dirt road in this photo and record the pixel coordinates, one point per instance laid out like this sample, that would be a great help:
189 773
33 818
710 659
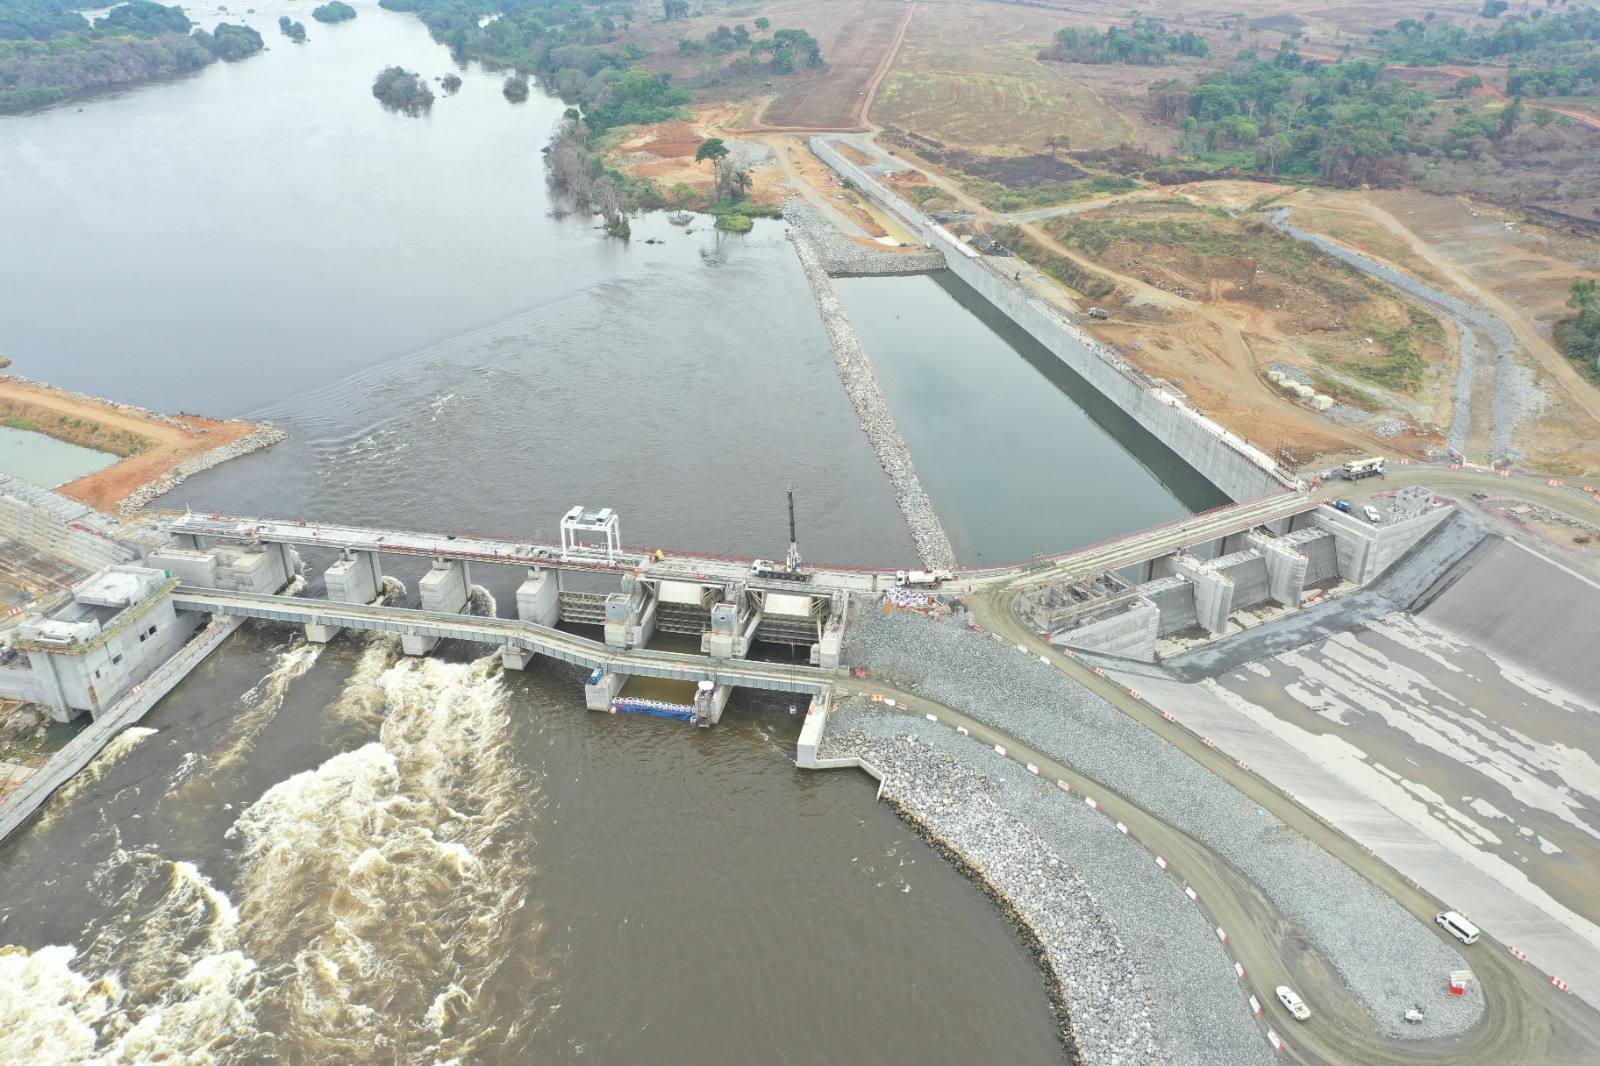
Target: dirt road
160 444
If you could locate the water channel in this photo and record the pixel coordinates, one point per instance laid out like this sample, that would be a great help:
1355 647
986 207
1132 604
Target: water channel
332 855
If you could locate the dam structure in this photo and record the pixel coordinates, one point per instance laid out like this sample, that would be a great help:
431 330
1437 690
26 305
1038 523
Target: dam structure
1234 465
151 597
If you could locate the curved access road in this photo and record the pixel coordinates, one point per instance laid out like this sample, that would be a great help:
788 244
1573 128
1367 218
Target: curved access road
1526 1022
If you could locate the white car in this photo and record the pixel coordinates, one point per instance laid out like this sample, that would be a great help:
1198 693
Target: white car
1372 514
1294 1003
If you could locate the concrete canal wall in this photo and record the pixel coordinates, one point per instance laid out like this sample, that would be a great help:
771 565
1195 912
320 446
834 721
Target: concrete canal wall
1232 464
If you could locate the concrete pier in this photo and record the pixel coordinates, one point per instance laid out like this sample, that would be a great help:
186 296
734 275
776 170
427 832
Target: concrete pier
539 597
444 590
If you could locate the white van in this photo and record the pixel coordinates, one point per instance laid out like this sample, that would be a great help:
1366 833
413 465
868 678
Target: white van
1458 926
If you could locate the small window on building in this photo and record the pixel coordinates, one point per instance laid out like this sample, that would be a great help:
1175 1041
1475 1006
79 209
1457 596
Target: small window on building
152 631
143 637
115 659
97 675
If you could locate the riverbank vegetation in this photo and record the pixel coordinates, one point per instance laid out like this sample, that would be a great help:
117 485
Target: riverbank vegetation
49 52
334 11
577 165
399 89
295 31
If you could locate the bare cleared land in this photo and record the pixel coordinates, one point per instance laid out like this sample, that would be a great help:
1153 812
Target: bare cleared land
151 447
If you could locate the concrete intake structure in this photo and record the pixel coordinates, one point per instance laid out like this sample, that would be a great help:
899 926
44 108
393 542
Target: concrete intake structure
1229 462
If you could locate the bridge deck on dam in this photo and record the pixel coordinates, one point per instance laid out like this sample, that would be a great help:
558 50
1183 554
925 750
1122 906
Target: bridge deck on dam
1123 551
504 631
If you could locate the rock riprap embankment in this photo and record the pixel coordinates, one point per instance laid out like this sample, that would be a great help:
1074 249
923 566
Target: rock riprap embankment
1388 959
1094 987
265 436
841 255
1165 980
861 385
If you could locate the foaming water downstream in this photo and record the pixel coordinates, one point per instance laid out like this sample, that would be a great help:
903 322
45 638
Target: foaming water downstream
375 894
377 888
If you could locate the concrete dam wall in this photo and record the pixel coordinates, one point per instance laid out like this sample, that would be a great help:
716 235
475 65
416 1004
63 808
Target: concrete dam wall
1232 464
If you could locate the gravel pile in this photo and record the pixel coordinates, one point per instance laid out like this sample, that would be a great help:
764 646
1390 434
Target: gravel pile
855 371
1387 427
1347 415
841 255
265 436
1513 392
1387 959
1167 980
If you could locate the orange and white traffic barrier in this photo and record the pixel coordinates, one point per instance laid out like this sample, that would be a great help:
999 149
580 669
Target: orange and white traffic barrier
963 730
1133 693
1194 897
1122 828
1523 955
1255 1006
1063 786
1208 742
1242 764
1032 769
1169 717
931 717
998 750
1275 1040
1238 968
1091 803
1221 935
1161 862
1558 982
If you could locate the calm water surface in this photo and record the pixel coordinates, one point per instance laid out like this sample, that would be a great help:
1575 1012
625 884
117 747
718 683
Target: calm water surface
334 855
45 461
1019 455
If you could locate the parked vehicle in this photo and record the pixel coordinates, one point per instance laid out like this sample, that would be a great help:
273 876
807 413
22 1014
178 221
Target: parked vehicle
1357 469
1342 505
1296 1006
921 579
1099 312
1457 925
1372 514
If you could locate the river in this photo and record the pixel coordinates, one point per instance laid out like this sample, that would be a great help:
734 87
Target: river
332 854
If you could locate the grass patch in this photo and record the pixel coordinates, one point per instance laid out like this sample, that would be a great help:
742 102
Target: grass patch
1063 269
1213 233
733 223
997 197
1400 365
19 423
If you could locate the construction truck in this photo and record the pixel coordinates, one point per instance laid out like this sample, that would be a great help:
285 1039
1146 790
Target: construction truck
1357 469
921 579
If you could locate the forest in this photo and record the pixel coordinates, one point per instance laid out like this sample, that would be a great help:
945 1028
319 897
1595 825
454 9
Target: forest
49 52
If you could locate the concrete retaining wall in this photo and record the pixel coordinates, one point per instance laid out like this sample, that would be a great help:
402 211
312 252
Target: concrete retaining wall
1233 465
33 792
50 524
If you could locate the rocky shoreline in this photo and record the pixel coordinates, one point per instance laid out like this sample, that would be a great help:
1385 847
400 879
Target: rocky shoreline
842 256
265 435
861 385
1093 986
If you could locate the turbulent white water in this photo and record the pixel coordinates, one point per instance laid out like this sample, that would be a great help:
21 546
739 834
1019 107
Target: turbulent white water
376 896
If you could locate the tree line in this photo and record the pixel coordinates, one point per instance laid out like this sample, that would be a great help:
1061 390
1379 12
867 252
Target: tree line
1146 42
1579 334
773 55
49 52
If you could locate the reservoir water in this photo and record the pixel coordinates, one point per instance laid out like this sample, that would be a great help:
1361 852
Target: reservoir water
45 461
316 855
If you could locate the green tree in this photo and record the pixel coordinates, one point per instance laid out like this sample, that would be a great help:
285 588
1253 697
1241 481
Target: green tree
711 148
763 24
1493 9
515 88
675 9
